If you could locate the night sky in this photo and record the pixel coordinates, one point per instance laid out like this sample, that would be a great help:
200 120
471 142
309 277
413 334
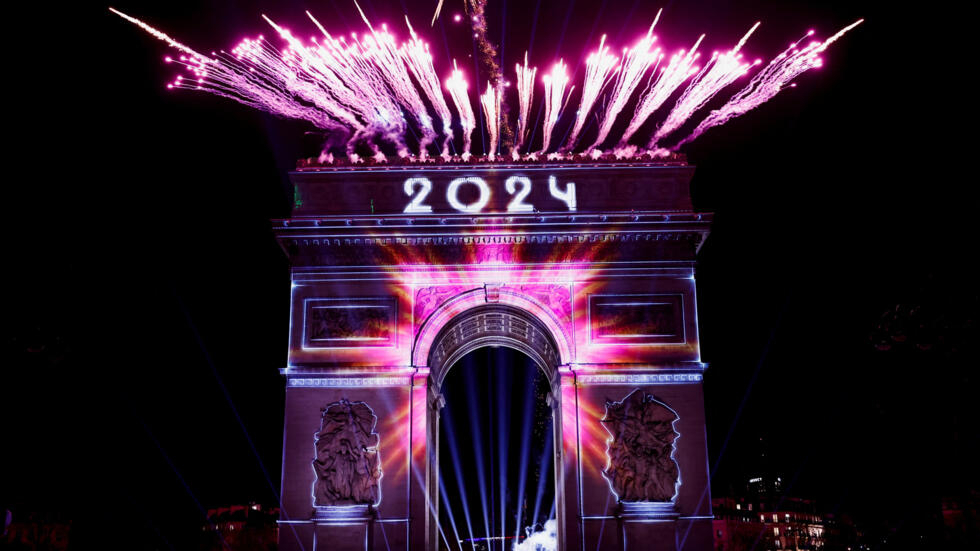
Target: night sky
147 313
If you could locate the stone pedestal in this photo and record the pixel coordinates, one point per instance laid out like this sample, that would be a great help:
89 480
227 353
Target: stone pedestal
344 528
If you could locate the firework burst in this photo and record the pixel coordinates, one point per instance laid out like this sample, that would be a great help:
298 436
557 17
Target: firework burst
370 90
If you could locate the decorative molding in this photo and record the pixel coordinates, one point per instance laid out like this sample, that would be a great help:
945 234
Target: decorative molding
347 463
492 292
639 379
648 509
343 514
640 452
346 382
553 246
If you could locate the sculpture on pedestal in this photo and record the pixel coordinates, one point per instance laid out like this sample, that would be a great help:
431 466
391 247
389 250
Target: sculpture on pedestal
347 463
640 463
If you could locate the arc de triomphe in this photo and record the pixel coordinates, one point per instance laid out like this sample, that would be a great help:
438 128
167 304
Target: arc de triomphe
397 272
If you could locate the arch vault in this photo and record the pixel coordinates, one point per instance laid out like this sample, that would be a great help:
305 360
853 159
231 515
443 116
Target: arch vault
594 282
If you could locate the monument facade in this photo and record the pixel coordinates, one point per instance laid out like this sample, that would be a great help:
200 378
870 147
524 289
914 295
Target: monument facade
397 272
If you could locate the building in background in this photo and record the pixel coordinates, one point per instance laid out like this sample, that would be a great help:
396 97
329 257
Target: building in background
35 531
770 524
249 527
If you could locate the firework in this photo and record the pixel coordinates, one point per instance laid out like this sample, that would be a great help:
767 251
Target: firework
525 95
679 69
599 68
415 54
487 56
382 51
554 99
636 61
718 73
491 111
457 90
371 90
769 81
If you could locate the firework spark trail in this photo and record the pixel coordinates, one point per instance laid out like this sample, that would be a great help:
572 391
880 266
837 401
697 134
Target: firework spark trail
159 34
636 61
253 75
487 55
345 74
718 73
491 111
457 90
554 100
361 90
324 76
679 69
416 56
259 75
384 54
769 81
599 68
525 95
388 62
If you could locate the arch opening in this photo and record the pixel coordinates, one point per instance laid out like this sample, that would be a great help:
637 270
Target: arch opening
511 342
496 458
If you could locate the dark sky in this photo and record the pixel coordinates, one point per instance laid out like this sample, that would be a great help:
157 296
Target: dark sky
147 313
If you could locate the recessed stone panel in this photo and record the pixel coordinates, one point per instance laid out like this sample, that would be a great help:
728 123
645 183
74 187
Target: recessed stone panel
349 322
636 319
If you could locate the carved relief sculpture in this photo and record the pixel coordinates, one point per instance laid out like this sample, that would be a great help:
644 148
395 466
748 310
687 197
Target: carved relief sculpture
556 297
427 299
640 466
347 463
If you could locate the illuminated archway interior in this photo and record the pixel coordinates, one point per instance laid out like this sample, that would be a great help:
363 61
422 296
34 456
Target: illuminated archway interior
496 450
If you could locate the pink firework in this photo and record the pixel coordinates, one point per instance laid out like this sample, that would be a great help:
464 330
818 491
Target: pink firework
680 68
636 61
599 68
554 99
370 89
457 90
771 80
491 111
525 95
415 54
722 70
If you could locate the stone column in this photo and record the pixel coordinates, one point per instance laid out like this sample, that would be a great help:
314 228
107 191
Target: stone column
423 527
569 507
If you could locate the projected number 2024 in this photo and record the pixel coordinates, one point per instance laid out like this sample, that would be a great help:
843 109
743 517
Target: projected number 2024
518 187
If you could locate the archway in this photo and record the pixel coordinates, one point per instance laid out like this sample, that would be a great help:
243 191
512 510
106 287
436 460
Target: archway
496 452
489 326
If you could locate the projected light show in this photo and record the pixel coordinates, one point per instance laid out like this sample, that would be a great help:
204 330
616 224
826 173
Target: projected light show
493 338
